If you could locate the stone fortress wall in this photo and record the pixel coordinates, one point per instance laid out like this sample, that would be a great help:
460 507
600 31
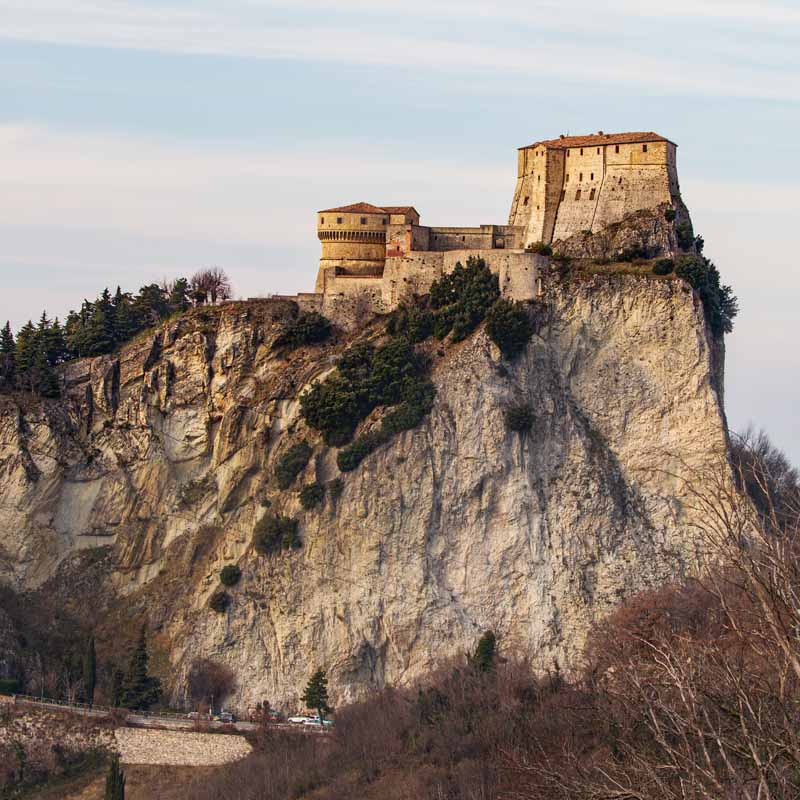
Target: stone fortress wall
375 257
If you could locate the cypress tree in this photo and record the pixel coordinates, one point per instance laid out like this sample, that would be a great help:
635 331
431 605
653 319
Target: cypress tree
90 670
316 694
115 781
483 659
117 680
140 690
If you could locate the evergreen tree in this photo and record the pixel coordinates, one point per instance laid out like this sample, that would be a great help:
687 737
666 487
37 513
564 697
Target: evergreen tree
98 330
316 694
25 352
56 344
179 295
140 690
89 671
483 658
151 304
7 350
41 377
127 322
117 680
115 781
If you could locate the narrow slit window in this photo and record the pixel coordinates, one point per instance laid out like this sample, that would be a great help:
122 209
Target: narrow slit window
525 201
563 193
616 148
591 194
580 176
644 148
322 221
581 151
578 195
591 176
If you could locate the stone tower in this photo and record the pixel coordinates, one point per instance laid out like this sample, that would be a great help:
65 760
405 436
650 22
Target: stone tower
579 183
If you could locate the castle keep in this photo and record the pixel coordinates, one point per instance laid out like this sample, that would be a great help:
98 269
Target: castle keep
565 186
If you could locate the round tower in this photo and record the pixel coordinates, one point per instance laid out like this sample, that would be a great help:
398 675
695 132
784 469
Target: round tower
353 239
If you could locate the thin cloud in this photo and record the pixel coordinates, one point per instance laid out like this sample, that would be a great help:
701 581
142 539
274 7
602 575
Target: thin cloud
241 31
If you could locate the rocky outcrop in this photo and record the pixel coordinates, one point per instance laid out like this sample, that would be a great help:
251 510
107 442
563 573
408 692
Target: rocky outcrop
648 233
167 451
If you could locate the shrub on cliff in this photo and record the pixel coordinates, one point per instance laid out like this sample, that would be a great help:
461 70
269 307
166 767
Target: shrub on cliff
311 495
365 378
519 417
292 463
509 327
719 302
414 322
663 266
684 235
273 533
219 602
462 298
540 248
669 214
306 328
230 575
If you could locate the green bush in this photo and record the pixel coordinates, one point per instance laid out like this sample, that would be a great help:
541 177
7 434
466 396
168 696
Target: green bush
229 575
306 328
366 377
219 602
669 214
663 266
631 253
405 416
541 248
462 298
292 463
9 686
719 302
273 533
685 235
413 322
311 495
192 492
519 417
509 326
562 259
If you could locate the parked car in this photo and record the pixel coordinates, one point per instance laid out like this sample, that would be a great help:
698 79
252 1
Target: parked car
300 719
194 715
226 716
326 723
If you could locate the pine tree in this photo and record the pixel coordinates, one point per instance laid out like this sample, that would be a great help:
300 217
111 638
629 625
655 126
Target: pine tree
179 295
56 344
483 659
115 781
140 690
316 694
127 322
25 351
90 670
7 350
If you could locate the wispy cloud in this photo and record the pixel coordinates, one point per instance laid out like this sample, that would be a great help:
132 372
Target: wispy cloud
256 31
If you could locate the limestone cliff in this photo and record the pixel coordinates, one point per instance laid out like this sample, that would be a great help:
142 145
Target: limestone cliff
167 452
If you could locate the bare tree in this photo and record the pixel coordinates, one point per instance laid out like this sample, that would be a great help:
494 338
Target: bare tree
210 285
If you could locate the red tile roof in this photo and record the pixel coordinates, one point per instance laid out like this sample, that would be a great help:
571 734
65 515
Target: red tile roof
368 208
596 139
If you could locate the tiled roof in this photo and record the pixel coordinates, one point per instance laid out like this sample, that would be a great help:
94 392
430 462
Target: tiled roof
356 208
368 208
596 139
399 209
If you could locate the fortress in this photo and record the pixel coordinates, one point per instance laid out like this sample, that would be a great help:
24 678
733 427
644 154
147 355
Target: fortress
566 187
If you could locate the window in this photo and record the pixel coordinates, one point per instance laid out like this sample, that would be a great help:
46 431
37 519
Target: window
525 201
563 193
567 180
581 151
322 220
385 221
616 148
338 220
591 176
363 220
567 153
644 148
591 194
580 176
537 207
540 179
578 195
598 151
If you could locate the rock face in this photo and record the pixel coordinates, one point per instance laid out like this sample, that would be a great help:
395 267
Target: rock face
167 451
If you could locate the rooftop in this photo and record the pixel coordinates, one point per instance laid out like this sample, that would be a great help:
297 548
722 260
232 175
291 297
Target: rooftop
368 208
599 138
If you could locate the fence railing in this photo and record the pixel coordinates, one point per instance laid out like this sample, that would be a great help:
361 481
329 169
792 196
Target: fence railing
94 709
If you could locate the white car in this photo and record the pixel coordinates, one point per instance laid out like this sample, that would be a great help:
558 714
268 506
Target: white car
300 719
315 721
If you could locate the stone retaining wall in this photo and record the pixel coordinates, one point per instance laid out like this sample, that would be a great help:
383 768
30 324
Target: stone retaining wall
137 746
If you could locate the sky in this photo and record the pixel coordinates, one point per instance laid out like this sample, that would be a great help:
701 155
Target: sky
144 140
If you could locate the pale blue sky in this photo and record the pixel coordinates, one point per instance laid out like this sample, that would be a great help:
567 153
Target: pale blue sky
140 140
